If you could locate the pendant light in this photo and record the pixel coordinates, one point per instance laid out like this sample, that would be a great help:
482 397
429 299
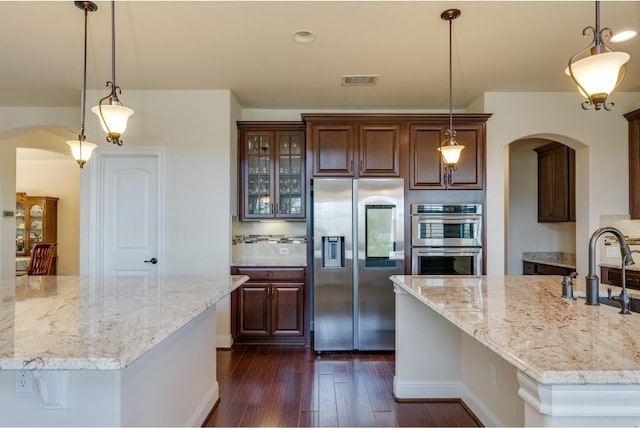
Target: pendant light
113 116
597 74
450 149
80 148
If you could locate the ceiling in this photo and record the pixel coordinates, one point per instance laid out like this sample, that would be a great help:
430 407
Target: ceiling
247 47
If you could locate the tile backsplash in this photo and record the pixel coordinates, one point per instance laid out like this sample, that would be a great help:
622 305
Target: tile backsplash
608 249
269 244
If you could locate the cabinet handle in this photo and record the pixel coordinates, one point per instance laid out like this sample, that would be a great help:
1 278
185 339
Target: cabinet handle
153 261
351 165
361 165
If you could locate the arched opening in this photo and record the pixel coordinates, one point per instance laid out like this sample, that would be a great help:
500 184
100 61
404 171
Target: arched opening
39 164
523 230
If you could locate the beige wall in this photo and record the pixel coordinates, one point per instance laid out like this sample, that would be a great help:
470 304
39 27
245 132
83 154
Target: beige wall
59 178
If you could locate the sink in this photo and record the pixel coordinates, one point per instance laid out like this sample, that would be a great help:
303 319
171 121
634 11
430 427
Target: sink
634 307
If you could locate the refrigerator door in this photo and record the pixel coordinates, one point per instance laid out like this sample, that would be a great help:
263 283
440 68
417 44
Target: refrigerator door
380 244
333 264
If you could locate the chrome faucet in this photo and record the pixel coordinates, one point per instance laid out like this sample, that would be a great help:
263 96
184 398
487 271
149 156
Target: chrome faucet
592 280
623 297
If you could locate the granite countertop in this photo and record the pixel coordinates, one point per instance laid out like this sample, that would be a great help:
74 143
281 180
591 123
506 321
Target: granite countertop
76 323
552 258
524 319
635 267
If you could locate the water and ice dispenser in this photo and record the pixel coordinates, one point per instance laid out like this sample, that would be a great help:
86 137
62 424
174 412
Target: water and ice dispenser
333 251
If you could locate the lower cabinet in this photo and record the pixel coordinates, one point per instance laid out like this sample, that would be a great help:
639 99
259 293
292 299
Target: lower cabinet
530 268
270 306
613 276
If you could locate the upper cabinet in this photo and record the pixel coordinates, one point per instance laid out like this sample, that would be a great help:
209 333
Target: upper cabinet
556 183
426 167
634 163
397 145
353 146
271 170
36 222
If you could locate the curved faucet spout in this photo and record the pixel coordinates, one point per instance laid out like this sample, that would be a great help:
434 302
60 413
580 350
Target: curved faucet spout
592 280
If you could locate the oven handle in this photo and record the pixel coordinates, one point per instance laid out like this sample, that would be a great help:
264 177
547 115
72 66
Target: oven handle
429 219
448 250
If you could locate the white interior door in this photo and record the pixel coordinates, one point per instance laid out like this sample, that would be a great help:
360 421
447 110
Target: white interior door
128 213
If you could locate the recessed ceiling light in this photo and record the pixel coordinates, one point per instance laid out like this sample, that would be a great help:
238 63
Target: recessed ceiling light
304 36
623 36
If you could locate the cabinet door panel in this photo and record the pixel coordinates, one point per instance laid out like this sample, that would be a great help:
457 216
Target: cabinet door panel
634 162
332 150
253 315
288 309
379 150
258 172
469 171
426 165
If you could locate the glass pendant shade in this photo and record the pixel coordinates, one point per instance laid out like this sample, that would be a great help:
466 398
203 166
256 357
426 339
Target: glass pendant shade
451 151
115 116
81 151
598 74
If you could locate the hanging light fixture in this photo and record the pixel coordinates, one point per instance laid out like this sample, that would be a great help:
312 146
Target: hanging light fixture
113 116
450 149
601 71
80 148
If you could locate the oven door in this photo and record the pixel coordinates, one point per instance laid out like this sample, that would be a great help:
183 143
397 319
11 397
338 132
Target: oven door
446 231
446 261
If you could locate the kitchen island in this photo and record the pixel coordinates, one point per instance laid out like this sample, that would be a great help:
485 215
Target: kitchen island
515 351
125 351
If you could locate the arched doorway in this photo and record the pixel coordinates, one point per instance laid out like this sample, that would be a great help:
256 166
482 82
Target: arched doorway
37 161
524 233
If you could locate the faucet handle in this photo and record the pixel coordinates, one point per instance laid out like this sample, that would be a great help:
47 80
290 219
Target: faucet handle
573 275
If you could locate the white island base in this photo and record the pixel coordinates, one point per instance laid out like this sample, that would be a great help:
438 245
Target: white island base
173 384
109 351
436 359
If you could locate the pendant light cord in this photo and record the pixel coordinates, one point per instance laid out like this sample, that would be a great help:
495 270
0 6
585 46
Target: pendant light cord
450 85
113 43
81 137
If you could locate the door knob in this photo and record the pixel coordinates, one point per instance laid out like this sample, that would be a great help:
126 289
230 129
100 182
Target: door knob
153 261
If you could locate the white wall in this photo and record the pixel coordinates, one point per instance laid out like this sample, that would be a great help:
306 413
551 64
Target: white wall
524 231
60 179
16 120
195 128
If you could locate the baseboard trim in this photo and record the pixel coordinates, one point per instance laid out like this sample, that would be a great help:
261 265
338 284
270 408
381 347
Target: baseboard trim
224 341
202 412
479 410
426 390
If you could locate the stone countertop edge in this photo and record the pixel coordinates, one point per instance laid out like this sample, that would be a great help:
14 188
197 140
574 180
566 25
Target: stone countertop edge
635 267
82 323
524 320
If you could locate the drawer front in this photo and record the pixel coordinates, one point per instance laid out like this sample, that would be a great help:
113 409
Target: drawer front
271 274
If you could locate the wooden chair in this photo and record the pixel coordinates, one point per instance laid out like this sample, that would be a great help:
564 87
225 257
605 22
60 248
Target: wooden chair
41 259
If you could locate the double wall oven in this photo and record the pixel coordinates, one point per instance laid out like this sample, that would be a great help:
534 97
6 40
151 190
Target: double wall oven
446 239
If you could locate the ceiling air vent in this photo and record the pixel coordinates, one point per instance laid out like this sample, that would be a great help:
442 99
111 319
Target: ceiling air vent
366 80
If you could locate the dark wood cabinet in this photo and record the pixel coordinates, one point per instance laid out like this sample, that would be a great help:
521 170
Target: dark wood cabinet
530 268
36 223
271 170
270 307
634 163
613 276
556 183
353 146
427 170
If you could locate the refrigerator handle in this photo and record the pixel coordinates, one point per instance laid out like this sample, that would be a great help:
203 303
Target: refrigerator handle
333 251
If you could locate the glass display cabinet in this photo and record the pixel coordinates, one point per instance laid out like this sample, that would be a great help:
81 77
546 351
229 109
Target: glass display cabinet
271 171
36 222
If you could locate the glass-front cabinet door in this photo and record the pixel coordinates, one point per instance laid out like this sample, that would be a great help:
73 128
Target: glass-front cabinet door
290 169
272 162
35 227
259 183
21 229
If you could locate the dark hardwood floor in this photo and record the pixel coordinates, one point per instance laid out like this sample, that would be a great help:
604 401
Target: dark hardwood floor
293 386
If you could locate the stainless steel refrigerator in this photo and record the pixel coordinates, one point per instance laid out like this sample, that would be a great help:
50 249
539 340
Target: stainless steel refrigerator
358 243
